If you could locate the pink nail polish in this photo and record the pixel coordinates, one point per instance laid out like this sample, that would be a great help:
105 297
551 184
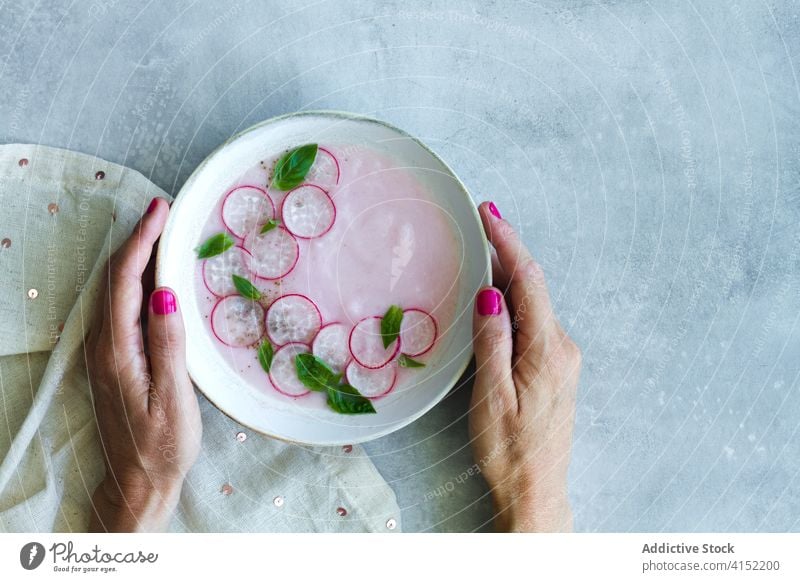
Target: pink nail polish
163 302
493 209
153 204
489 302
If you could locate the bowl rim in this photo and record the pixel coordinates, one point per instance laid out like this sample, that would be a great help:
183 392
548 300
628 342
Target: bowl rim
342 115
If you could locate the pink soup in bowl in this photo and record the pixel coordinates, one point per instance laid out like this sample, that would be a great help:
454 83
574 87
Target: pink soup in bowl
326 265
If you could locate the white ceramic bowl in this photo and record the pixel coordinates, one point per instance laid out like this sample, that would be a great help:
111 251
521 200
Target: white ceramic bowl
272 414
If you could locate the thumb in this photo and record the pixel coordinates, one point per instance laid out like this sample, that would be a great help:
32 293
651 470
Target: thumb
493 345
166 341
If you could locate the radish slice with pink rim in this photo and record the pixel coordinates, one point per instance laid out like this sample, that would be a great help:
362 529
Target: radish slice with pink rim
418 332
218 271
274 253
237 322
325 170
308 211
293 319
283 371
245 209
331 347
366 344
371 383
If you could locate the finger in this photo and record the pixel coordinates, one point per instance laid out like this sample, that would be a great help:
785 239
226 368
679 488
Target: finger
148 283
499 277
493 345
123 293
166 343
533 316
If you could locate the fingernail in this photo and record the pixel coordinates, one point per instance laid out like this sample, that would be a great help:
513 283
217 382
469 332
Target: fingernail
489 302
163 302
153 204
493 209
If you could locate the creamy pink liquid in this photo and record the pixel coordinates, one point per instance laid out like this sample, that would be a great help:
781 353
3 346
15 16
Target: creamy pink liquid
390 244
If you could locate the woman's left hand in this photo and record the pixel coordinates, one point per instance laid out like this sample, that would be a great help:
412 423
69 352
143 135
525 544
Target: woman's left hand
147 411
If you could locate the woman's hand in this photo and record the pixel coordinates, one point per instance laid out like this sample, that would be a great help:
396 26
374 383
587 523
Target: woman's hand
146 408
523 402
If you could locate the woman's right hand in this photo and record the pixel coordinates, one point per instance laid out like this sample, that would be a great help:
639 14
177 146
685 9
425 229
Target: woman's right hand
523 401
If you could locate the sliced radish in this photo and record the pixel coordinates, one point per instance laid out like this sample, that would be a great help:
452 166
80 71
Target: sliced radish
275 253
283 371
330 345
218 271
237 322
366 344
292 319
245 209
325 171
418 332
308 211
372 383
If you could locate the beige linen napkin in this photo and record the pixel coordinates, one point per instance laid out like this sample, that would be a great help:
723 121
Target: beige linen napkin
62 214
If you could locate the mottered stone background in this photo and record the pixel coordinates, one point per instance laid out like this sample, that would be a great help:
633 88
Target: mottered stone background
648 151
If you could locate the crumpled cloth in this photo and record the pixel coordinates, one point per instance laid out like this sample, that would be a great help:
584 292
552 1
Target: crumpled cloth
62 215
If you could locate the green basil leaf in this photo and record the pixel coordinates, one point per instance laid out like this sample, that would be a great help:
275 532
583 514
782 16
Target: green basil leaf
265 354
345 399
405 362
390 325
314 373
216 245
269 225
245 288
292 168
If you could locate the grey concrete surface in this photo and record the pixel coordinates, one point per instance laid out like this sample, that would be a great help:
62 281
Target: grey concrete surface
649 151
